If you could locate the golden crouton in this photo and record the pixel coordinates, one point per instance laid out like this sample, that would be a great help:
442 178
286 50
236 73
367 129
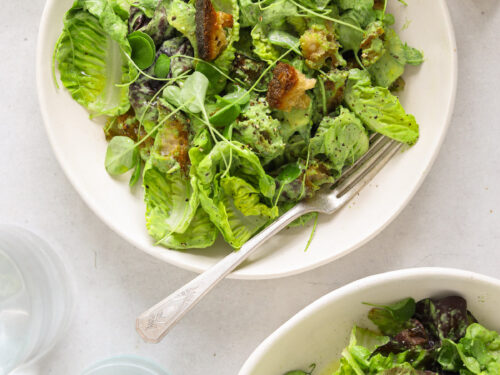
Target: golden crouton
378 4
287 89
318 45
172 140
210 34
127 125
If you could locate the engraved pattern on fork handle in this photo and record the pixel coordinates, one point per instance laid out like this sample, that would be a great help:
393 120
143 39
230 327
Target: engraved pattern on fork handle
153 324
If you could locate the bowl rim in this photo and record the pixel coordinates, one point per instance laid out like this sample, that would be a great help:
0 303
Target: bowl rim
360 284
71 174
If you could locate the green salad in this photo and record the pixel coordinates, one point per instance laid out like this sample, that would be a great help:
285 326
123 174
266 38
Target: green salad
430 337
232 111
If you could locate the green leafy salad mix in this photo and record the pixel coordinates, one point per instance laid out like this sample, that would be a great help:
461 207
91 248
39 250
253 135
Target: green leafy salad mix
232 111
430 337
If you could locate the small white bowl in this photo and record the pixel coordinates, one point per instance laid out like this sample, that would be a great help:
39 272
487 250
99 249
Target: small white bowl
318 333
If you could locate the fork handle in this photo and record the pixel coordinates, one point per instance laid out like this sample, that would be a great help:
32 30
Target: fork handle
153 324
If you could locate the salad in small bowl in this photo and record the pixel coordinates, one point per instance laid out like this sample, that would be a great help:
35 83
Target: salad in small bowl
448 327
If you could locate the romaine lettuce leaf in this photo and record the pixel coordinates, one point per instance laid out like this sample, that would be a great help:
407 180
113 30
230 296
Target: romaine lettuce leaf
90 59
350 38
233 189
171 195
274 13
170 15
112 22
257 129
391 65
237 212
342 139
200 233
355 4
146 6
171 201
379 110
245 164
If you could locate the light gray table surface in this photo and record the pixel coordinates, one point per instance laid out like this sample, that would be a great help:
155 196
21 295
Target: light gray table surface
453 221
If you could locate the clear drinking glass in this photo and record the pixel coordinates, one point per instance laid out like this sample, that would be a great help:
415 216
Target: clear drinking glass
125 365
36 297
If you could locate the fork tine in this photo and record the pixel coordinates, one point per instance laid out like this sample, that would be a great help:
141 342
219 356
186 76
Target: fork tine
365 173
376 142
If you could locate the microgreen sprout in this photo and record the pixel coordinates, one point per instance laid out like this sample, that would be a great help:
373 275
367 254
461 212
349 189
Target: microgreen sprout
334 20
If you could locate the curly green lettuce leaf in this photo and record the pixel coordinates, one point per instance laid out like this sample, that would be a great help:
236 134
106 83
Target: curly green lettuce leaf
478 352
234 195
356 357
379 110
406 369
361 357
91 61
342 139
262 45
261 132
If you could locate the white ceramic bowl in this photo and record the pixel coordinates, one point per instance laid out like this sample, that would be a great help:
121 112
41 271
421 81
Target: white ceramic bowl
80 146
318 333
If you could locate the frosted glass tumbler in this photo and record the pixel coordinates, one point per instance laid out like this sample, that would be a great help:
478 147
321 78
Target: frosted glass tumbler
36 297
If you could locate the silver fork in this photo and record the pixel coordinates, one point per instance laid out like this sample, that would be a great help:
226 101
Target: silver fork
153 324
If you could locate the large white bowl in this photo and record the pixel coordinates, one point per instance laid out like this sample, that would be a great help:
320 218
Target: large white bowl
318 333
80 146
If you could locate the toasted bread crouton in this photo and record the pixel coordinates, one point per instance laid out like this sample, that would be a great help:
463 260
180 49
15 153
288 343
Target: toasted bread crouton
378 4
318 45
173 140
127 125
210 34
287 89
